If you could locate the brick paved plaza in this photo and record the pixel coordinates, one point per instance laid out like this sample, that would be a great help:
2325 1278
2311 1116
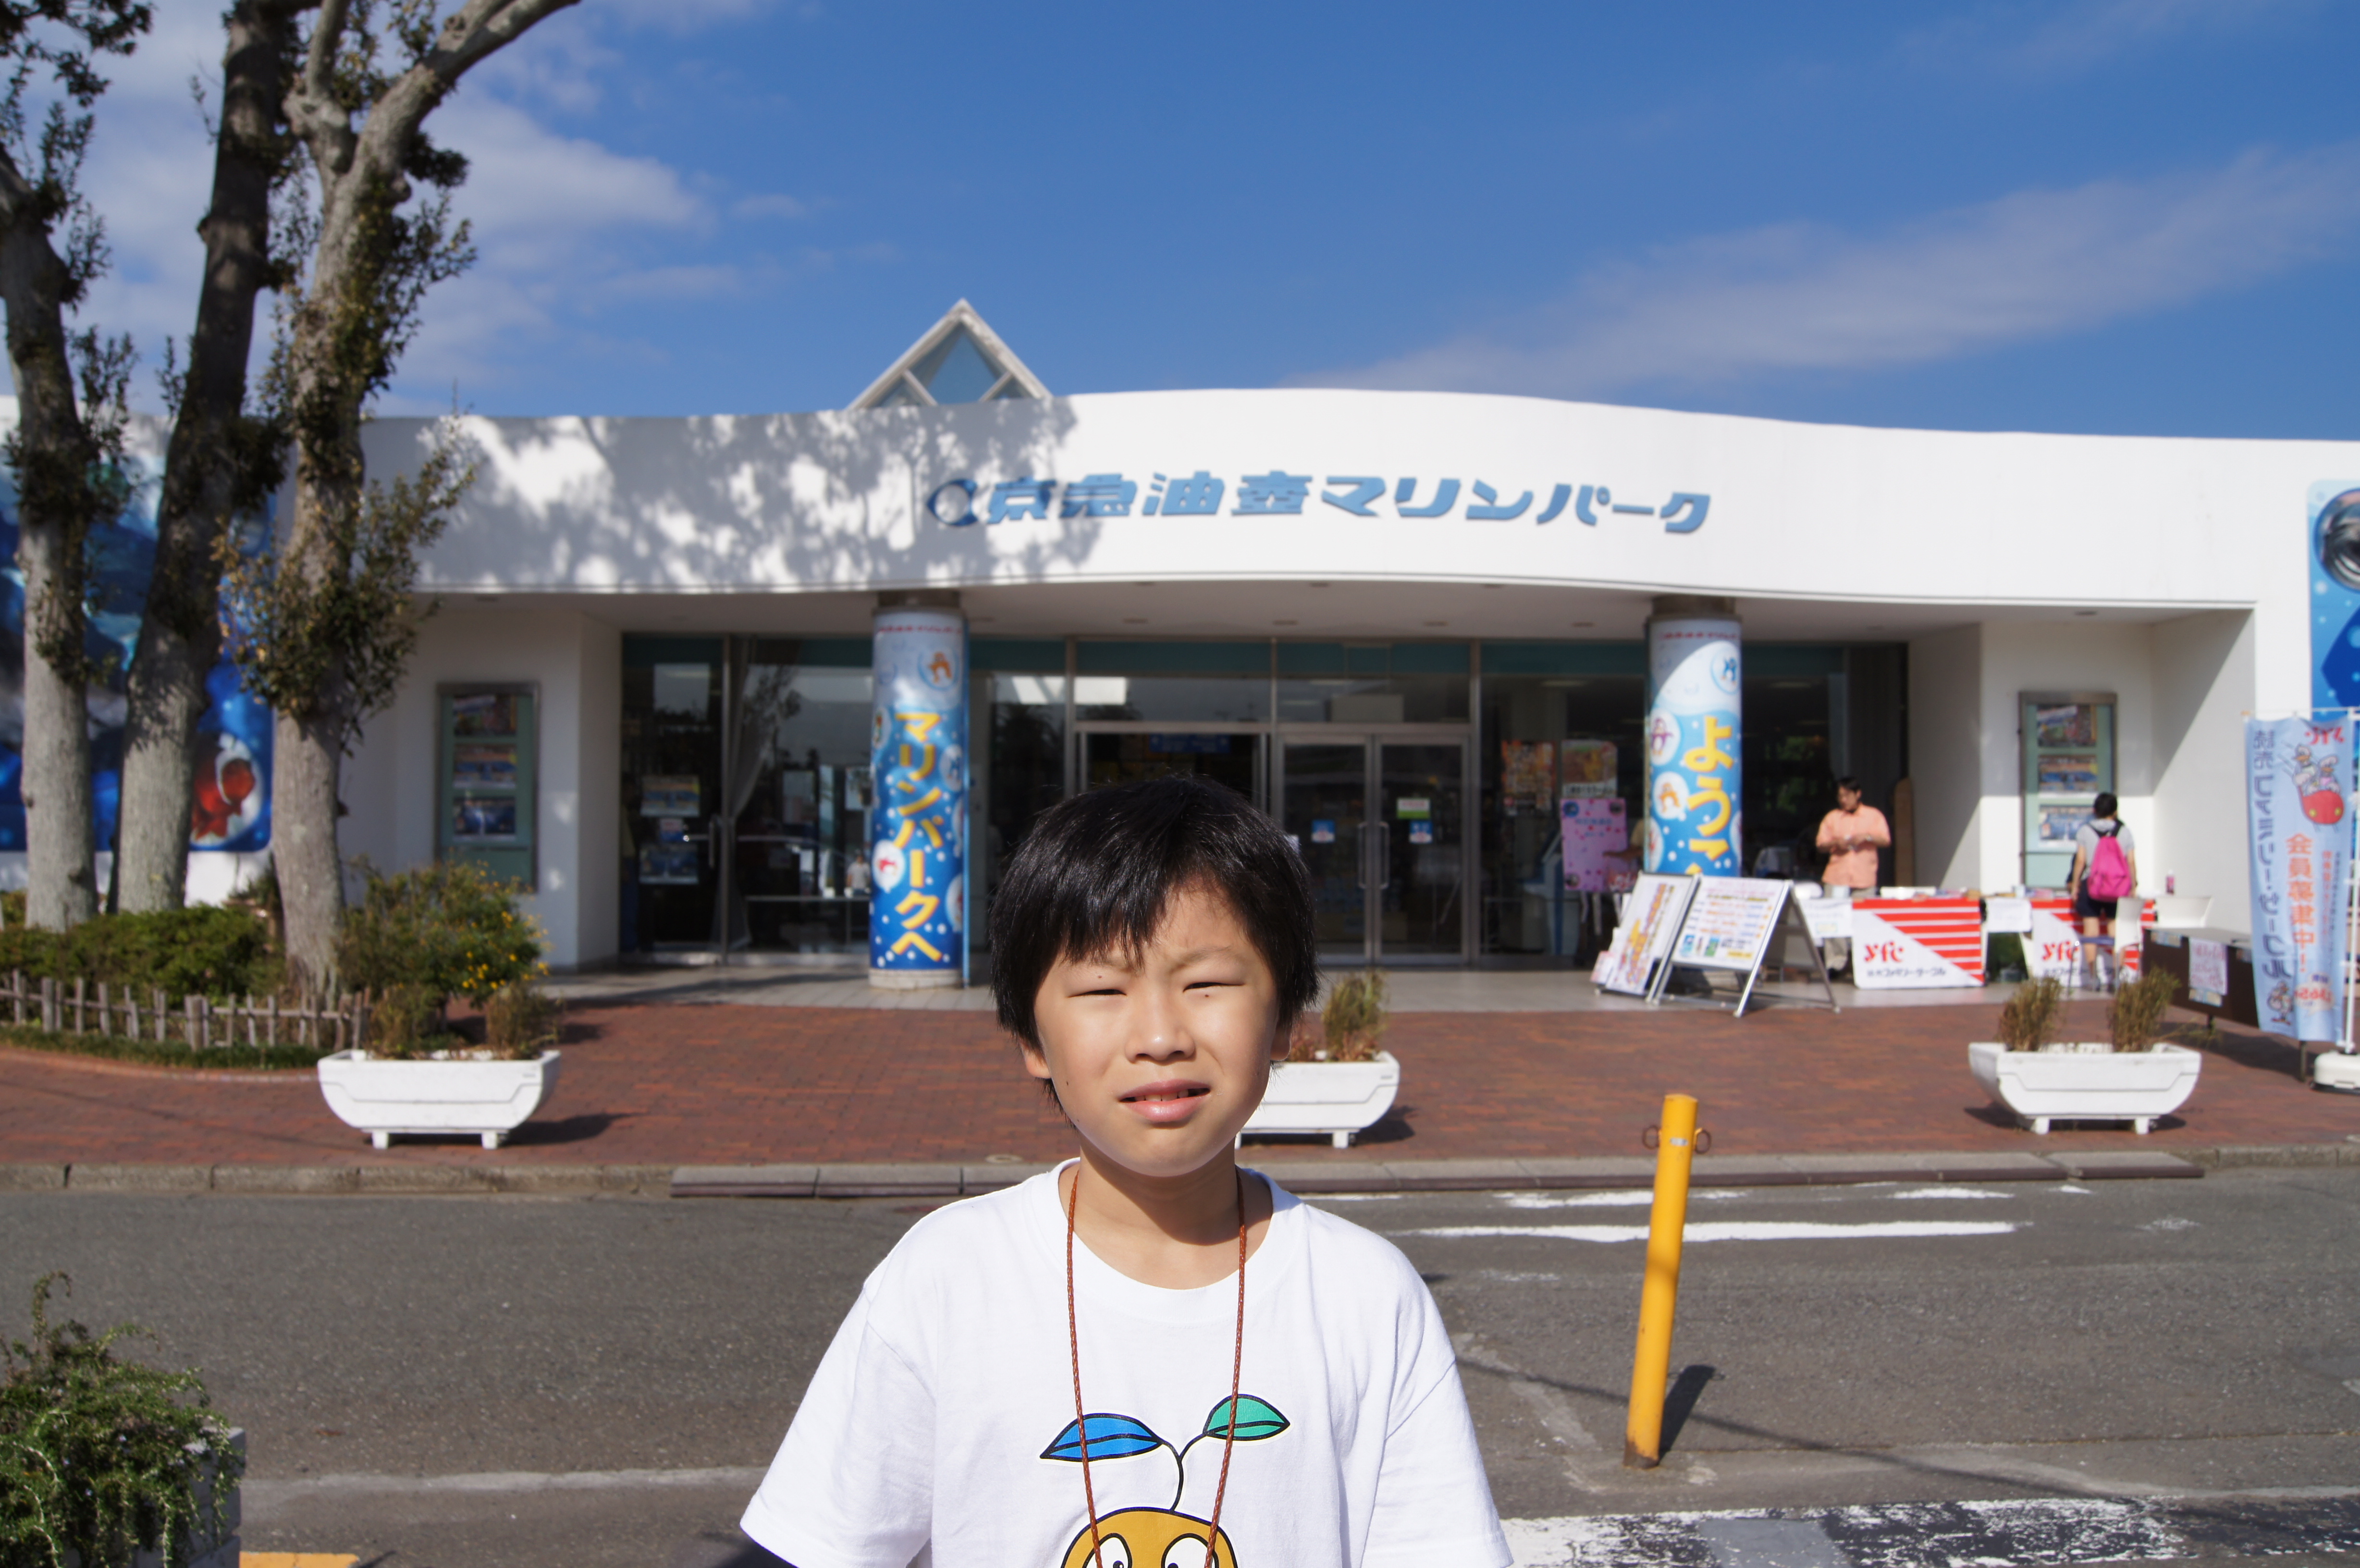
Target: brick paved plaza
666 1083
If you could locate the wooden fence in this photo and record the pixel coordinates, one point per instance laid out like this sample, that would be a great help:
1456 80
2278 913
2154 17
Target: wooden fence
336 1023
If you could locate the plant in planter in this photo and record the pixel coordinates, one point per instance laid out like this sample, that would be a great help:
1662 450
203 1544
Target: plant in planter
2132 1076
417 940
108 1462
1342 1084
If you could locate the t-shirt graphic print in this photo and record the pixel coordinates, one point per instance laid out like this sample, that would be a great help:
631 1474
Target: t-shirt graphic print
939 1429
1160 1538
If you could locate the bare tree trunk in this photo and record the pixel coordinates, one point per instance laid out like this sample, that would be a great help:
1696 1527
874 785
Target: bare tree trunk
217 462
62 880
52 453
306 764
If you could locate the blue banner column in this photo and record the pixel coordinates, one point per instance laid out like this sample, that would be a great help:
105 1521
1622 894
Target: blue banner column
918 771
1695 736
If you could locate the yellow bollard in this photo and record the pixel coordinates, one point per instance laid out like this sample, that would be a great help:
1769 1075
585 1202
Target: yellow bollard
1643 1442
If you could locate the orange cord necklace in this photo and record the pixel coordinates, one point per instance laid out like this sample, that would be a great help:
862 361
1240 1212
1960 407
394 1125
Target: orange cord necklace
1081 1418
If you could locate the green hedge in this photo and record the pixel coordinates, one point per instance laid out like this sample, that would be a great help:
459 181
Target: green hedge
206 950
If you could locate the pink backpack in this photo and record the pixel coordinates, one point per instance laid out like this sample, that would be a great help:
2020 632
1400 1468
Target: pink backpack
2110 872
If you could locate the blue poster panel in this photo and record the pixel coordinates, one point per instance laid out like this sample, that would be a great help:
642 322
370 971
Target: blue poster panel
917 860
1694 760
232 810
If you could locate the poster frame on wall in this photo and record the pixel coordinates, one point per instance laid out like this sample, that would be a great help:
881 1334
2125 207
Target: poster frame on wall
514 854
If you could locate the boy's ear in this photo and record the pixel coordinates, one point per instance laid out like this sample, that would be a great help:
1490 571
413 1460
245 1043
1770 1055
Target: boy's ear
1036 1061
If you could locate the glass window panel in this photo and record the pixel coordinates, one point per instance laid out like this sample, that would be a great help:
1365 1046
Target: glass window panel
1094 658
900 396
956 370
1175 699
1527 720
1564 659
1380 700
1046 654
1021 770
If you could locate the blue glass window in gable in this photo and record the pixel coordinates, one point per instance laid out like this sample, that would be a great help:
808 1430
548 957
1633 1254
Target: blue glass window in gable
956 370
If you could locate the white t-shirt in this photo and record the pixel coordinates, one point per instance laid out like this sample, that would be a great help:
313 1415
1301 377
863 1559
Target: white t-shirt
2086 840
941 1418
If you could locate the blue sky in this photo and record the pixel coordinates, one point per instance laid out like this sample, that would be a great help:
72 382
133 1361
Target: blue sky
2086 215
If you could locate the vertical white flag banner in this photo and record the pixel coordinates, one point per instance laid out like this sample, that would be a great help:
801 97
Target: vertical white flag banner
2298 791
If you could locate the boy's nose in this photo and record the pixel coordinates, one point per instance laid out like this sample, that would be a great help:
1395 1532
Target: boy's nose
1164 1030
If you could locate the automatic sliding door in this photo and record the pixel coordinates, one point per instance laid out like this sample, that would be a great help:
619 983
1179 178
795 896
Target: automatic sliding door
1325 811
1421 837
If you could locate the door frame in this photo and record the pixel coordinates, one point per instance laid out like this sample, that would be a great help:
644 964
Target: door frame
1372 737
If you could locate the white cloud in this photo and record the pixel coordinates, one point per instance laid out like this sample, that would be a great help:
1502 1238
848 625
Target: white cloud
2037 264
2076 36
775 204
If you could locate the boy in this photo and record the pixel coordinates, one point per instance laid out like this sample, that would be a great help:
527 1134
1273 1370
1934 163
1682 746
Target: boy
1147 1358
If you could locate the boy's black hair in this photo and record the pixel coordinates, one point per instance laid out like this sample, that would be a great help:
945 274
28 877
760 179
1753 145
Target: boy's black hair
2105 806
1849 782
1097 872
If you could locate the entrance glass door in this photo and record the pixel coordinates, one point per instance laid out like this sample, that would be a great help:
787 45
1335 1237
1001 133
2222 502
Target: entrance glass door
745 798
1381 822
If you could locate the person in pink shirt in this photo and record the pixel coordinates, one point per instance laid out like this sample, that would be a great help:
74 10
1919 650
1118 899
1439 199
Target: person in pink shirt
1850 837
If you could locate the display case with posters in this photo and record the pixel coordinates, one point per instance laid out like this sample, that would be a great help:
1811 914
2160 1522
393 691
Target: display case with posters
2069 761
487 789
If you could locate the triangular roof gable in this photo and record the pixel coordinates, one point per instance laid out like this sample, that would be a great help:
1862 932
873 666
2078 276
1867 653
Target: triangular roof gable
958 360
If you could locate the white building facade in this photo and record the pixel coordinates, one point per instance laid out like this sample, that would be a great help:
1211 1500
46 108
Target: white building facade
1406 623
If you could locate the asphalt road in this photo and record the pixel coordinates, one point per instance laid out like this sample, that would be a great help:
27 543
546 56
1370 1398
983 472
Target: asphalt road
456 1381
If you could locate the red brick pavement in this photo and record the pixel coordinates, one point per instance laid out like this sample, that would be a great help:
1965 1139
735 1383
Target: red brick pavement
726 1084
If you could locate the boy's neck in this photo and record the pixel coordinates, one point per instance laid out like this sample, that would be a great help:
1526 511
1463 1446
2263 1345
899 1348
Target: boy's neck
1176 1232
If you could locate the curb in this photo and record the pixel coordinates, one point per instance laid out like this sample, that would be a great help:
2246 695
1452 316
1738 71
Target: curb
1310 1178
404 1181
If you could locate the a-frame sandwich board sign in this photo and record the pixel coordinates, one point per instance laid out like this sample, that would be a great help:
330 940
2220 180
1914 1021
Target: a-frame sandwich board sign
1731 928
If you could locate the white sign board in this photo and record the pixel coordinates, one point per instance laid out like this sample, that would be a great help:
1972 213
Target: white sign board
1730 922
1651 920
1829 920
2208 971
2007 915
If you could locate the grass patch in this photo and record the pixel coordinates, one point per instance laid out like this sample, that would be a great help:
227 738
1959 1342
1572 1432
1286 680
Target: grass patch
167 1053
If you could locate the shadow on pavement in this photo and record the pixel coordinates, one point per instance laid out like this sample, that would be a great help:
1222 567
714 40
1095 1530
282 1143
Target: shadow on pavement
1687 1389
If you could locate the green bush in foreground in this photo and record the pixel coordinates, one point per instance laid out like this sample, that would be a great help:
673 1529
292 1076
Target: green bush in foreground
449 928
100 1458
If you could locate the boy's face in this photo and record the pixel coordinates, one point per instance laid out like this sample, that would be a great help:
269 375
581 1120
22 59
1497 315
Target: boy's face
1160 1058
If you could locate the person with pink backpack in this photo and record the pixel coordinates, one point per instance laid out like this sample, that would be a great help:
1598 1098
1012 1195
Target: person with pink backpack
2105 872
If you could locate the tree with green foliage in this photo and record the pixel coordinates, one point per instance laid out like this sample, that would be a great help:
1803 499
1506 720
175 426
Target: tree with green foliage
66 447
224 460
332 612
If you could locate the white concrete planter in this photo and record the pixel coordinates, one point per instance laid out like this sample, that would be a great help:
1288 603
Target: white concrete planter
2086 1082
1339 1098
382 1097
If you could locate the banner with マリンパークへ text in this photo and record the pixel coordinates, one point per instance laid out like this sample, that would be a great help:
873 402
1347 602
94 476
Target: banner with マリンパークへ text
917 857
2297 794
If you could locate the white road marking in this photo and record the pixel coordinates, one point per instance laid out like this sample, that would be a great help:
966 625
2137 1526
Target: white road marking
274 1489
1741 1230
1616 1200
1951 1192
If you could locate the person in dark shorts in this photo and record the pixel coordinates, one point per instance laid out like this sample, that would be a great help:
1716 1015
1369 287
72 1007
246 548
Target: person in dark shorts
2097 915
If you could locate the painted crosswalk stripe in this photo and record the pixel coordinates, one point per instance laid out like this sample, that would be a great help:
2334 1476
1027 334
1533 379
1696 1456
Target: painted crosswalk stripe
2032 1534
1740 1230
